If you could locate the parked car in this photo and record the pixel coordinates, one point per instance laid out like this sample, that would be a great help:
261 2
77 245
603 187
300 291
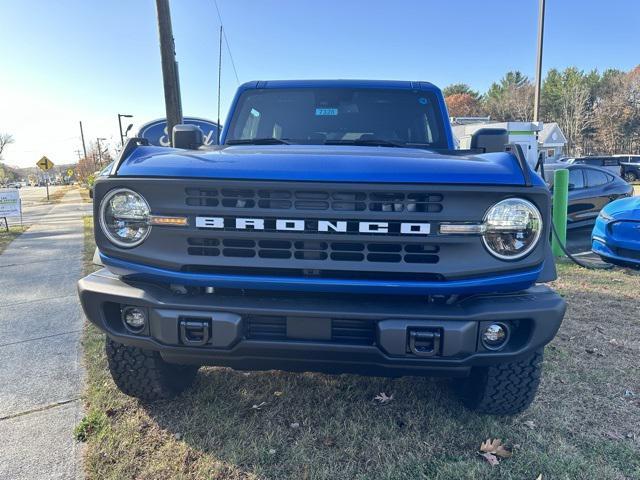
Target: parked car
335 228
610 163
630 167
590 189
616 234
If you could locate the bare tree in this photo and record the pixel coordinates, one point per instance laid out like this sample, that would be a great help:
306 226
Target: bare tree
5 139
575 114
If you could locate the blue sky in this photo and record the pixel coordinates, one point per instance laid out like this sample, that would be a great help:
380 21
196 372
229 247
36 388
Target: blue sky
73 60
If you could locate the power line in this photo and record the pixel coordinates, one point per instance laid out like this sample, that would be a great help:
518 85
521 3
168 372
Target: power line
226 41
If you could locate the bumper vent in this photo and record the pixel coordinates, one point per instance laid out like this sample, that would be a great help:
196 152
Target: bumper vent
627 253
343 331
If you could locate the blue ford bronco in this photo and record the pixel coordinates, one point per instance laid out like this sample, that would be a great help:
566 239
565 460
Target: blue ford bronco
336 229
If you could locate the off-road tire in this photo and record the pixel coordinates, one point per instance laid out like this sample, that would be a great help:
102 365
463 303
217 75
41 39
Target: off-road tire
502 389
144 374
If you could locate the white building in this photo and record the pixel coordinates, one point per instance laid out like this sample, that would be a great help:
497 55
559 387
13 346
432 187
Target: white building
551 142
522 133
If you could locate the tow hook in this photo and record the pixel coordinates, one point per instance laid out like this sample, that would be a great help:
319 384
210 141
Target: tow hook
424 343
194 332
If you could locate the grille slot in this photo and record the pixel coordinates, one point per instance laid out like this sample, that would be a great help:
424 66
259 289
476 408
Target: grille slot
353 331
265 327
374 252
314 200
344 331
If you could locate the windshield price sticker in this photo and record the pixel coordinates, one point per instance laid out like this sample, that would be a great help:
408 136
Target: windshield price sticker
326 111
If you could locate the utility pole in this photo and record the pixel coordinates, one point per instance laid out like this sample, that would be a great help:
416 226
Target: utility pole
219 81
78 152
84 148
536 96
170 77
99 152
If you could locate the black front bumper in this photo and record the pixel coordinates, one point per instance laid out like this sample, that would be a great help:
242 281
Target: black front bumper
330 333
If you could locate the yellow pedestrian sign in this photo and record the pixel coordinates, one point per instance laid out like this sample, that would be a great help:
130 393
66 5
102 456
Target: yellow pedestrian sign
44 164
70 173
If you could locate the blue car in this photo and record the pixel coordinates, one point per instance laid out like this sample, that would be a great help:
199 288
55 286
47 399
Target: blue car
616 235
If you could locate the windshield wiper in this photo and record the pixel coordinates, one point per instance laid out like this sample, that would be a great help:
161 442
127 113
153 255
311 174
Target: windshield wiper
258 141
372 142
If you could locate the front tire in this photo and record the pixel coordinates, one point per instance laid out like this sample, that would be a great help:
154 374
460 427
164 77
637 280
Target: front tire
504 388
630 177
144 374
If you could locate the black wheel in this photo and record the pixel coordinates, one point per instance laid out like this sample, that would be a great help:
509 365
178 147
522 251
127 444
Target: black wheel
630 177
144 374
502 389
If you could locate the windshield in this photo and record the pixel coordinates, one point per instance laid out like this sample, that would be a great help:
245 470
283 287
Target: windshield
322 116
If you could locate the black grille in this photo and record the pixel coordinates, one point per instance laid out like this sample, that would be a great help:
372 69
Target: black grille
339 251
314 200
344 331
625 252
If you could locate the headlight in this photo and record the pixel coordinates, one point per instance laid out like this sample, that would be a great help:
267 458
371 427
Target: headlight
124 217
512 228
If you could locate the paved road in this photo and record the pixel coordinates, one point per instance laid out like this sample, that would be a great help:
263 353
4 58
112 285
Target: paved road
40 356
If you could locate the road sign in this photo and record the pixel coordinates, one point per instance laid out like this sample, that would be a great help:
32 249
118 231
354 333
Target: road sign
9 202
156 131
70 173
10 205
44 164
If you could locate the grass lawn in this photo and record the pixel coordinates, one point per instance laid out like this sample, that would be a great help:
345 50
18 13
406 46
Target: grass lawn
585 422
7 237
84 193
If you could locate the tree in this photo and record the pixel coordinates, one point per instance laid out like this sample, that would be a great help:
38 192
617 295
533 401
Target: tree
7 174
632 118
567 98
458 89
609 111
5 139
463 105
511 99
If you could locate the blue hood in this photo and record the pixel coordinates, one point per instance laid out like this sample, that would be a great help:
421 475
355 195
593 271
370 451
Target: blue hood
624 209
324 163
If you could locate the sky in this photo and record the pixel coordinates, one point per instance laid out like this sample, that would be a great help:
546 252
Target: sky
71 60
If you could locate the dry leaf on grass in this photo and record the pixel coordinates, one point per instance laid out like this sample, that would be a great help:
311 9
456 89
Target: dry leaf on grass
490 458
295 425
382 398
530 423
495 447
539 477
278 394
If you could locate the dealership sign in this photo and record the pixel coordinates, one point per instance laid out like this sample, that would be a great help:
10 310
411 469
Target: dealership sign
156 132
9 203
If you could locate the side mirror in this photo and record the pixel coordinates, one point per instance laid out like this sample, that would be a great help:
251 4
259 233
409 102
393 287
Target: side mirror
187 136
490 139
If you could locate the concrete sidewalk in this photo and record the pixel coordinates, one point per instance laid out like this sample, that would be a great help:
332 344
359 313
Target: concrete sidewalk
41 375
